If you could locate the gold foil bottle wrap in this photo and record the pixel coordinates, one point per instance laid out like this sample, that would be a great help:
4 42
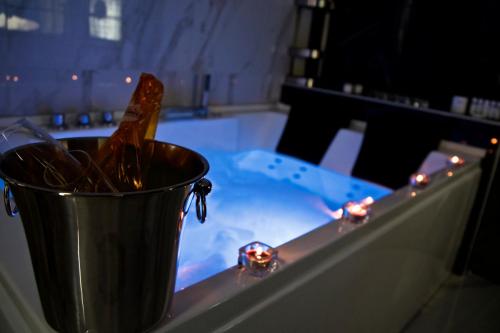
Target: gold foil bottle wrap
120 157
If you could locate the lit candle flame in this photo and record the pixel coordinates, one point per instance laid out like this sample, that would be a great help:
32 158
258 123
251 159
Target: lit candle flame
367 201
258 253
419 179
258 258
338 214
455 161
356 209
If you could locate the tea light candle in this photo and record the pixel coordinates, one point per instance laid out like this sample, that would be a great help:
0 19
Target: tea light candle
356 212
258 258
455 161
419 180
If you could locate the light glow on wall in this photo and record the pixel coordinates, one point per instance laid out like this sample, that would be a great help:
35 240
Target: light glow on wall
17 23
43 16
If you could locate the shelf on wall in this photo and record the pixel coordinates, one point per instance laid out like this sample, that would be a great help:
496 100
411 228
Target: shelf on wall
305 53
316 4
300 81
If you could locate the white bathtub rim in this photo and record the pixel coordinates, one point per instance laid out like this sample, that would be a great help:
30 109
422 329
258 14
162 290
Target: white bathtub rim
324 238
18 307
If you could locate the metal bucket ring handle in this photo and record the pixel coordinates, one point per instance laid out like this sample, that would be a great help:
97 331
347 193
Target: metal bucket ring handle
201 189
10 208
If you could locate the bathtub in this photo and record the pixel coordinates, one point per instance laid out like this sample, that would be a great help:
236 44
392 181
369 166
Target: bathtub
332 275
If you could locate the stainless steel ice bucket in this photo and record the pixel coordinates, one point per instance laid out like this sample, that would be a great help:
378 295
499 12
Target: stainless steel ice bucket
107 262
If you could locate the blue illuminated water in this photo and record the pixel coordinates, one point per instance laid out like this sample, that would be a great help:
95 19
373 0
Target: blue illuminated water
260 196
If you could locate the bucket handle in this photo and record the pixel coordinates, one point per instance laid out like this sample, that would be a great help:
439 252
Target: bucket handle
201 189
10 208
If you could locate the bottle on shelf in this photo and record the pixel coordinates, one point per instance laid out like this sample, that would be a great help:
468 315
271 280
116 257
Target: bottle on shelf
473 107
495 110
459 104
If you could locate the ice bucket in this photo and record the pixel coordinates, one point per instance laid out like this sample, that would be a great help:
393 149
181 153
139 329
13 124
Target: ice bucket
107 262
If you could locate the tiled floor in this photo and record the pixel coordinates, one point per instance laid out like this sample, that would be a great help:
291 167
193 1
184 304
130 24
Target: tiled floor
469 304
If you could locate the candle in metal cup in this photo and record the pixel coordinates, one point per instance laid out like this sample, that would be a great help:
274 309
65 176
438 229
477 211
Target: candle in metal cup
258 258
356 212
419 180
455 161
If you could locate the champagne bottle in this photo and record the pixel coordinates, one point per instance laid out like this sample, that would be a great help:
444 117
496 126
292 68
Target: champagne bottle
120 156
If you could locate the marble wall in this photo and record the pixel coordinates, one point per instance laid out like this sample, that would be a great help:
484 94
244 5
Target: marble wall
74 56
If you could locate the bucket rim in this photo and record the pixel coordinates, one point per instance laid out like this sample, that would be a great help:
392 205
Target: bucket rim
12 181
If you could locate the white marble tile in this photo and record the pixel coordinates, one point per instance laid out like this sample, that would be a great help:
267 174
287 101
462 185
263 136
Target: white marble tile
181 88
158 35
45 91
110 89
242 36
242 44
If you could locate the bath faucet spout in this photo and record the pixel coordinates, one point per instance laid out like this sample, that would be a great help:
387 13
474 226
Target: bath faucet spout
200 108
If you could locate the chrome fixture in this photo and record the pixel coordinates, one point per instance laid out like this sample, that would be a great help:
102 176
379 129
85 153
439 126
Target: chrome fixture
202 110
83 120
57 121
107 118
200 107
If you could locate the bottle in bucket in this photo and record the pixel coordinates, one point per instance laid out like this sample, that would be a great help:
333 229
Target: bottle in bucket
120 156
